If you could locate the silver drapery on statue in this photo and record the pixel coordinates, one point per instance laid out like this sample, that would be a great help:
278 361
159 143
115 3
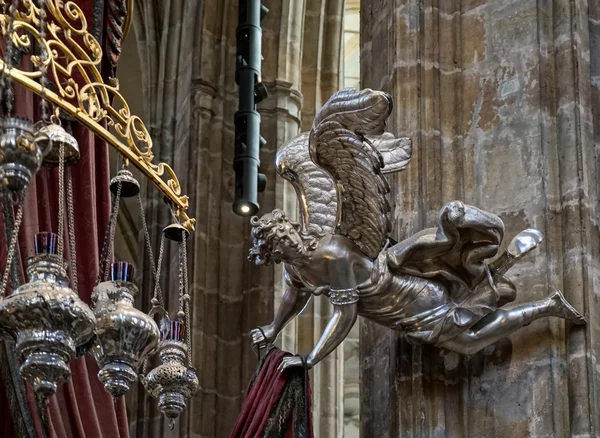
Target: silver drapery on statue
436 287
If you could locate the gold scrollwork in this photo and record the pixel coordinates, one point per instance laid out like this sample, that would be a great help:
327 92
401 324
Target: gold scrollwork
71 56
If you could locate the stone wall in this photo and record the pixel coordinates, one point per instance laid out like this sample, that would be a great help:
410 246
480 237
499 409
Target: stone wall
501 99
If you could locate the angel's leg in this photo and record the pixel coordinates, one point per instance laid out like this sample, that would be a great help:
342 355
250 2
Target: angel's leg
293 302
503 322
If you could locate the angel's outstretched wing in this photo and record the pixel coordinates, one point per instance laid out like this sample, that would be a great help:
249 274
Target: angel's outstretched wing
345 142
396 152
314 187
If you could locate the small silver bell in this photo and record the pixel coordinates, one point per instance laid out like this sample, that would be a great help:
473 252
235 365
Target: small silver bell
130 186
55 135
175 232
21 153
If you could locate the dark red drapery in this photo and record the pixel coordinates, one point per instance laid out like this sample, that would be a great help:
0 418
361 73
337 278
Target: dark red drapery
277 403
81 408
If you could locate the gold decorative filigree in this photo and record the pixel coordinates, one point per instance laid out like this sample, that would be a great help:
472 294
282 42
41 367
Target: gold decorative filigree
71 56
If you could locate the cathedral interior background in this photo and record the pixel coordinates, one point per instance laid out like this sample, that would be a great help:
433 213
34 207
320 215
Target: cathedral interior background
501 102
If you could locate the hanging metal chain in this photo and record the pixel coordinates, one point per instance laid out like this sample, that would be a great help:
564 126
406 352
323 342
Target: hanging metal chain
13 244
181 313
42 406
113 230
6 81
106 245
145 366
61 200
71 231
186 300
9 225
43 55
148 242
157 298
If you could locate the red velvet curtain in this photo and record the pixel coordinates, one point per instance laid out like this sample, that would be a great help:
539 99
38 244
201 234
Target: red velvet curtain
81 408
277 404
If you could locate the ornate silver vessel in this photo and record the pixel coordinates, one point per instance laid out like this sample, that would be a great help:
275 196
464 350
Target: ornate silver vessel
47 319
172 382
21 152
124 335
55 136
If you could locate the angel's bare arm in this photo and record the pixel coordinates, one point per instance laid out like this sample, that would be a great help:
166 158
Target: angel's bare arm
293 302
343 294
338 327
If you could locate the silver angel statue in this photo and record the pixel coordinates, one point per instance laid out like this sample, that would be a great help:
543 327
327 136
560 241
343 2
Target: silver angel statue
436 287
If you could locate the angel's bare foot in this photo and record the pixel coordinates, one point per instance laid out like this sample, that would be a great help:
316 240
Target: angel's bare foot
263 335
564 310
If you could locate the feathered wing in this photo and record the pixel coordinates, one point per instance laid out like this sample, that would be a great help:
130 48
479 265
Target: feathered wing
314 187
396 152
364 112
344 142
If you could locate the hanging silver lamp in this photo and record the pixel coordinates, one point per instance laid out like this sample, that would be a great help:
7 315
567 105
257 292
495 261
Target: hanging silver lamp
172 382
21 152
124 335
46 318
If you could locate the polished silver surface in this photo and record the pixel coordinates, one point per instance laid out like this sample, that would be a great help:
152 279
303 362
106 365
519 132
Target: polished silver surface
124 335
172 382
343 296
522 243
55 135
436 287
48 322
21 153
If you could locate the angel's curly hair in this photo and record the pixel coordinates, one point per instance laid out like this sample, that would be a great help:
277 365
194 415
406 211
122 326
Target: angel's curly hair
269 230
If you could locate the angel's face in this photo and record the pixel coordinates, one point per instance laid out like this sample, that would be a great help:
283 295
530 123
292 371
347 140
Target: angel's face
291 246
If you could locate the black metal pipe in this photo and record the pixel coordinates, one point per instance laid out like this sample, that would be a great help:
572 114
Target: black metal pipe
246 162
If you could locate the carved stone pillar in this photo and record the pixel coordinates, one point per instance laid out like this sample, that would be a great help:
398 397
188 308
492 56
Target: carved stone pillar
317 26
503 112
229 298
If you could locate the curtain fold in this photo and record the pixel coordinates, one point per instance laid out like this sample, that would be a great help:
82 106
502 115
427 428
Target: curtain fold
277 404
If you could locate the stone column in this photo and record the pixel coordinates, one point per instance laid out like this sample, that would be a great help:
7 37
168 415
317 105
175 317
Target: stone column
187 55
320 38
502 108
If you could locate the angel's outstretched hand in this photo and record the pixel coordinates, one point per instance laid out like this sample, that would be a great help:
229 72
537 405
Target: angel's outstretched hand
291 361
262 335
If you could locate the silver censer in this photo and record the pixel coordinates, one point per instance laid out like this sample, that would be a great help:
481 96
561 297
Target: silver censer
124 335
47 319
172 382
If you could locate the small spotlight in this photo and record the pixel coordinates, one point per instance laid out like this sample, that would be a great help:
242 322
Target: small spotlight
243 207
